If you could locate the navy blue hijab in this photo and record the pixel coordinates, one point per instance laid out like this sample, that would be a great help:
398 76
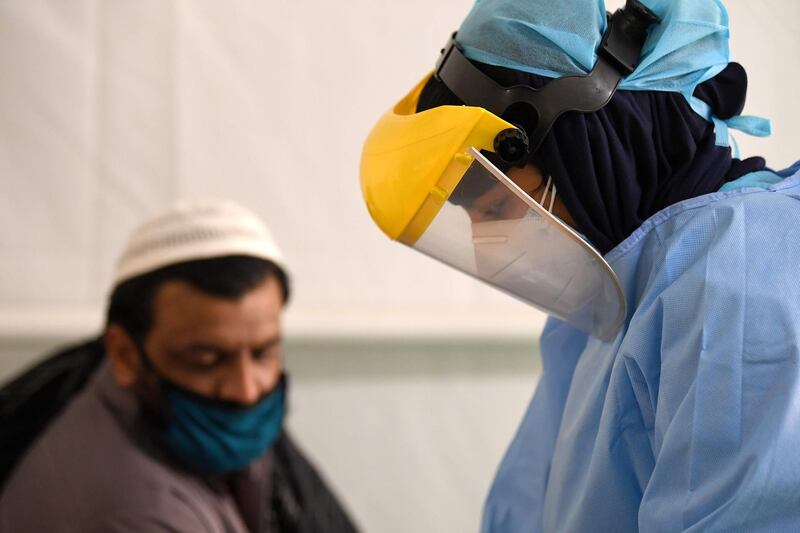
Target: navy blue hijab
644 151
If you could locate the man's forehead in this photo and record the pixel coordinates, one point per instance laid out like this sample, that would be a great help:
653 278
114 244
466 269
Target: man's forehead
180 292
187 313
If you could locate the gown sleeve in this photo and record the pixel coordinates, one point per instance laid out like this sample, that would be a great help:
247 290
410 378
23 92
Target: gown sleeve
727 420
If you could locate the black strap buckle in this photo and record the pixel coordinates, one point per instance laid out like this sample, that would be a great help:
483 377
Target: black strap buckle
627 30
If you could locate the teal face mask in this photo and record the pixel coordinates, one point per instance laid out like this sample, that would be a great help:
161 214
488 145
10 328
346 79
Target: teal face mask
215 436
211 435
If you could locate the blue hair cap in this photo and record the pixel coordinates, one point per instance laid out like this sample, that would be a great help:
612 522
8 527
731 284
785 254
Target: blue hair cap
555 39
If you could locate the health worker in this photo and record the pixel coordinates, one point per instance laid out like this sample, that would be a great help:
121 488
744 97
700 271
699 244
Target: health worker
580 161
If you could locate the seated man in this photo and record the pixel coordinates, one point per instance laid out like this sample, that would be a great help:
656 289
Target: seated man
181 426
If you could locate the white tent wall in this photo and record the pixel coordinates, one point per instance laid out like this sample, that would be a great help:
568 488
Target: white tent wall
409 379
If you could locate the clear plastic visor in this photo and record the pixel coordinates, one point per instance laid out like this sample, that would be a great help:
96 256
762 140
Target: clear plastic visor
494 231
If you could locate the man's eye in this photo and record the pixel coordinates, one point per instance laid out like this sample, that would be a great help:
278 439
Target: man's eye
204 360
268 352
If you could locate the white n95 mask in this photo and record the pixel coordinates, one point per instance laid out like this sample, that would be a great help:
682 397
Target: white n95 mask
525 256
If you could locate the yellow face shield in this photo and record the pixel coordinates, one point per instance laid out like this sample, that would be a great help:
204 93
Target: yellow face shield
428 185
412 162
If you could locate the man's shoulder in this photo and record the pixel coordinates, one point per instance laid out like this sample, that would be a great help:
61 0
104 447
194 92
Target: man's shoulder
86 439
86 469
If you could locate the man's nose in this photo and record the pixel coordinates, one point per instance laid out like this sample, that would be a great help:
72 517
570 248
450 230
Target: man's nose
242 384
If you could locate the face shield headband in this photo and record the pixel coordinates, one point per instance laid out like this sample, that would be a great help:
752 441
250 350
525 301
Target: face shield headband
534 111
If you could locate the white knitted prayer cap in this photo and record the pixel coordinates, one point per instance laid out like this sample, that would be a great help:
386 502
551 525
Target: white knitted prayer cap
191 230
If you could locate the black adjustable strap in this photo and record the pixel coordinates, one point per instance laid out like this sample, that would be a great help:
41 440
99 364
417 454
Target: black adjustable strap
618 56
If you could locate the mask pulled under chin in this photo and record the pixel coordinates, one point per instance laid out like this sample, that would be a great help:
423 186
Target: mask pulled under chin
214 436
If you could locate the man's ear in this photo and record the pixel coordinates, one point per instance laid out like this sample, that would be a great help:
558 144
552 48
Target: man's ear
123 355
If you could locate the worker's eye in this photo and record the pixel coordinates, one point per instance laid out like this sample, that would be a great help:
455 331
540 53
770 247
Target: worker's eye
496 209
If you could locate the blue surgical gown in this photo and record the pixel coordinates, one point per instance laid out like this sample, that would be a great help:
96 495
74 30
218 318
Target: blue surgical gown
690 419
